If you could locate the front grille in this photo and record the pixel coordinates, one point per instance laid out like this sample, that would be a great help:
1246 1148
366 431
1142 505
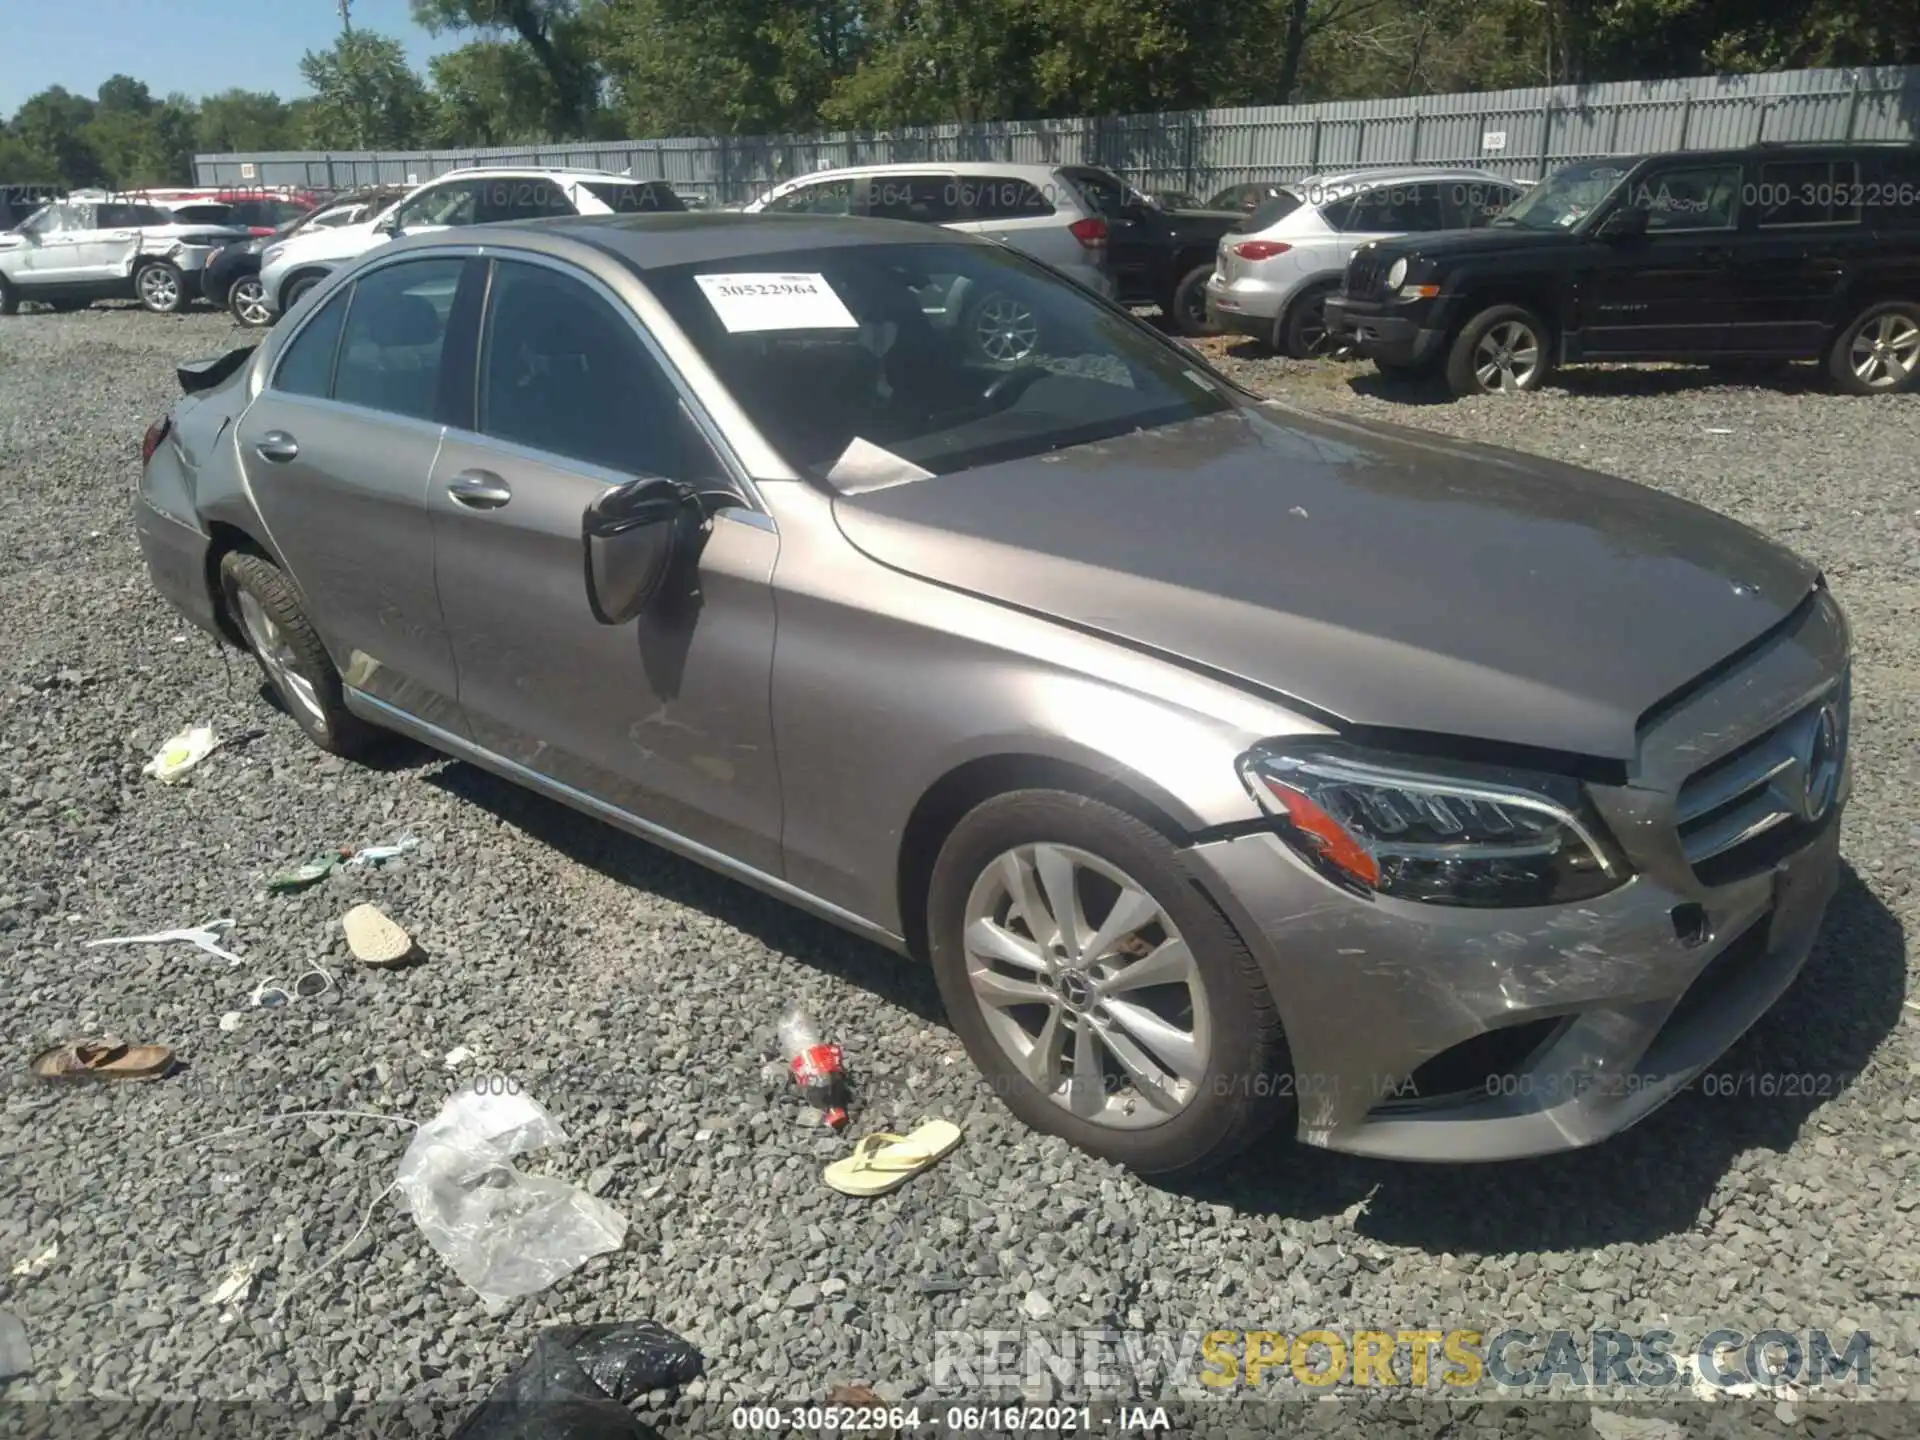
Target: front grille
1363 275
1737 816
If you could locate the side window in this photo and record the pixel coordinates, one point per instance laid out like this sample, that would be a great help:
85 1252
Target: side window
181 214
390 349
1390 209
451 204
1807 192
562 371
519 197
307 366
50 221
1703 197
628 198
928 199
823 197
993 198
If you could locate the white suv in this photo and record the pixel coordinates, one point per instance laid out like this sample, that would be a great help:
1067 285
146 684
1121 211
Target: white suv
96 247
1042 210
1276 270
295 265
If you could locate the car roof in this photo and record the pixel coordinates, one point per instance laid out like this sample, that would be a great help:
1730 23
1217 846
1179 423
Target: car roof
544 172
1377 173
666 238
1012 170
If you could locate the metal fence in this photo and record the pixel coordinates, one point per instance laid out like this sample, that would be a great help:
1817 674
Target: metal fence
1521 133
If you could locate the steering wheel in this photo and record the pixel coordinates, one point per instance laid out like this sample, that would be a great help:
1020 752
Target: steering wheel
1009 387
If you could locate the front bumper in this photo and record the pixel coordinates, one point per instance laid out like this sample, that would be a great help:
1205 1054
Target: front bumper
1619 1002
1396 339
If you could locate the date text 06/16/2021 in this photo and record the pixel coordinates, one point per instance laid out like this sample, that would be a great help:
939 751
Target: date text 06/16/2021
959 1420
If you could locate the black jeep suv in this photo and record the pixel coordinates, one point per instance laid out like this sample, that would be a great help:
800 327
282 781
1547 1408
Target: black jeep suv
1773 253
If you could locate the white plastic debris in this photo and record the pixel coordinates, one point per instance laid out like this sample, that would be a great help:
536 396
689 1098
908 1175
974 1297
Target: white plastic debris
181 754
1618 1425
379 854
37 1261
458 1056
504 1233
1718 430
203 937
231 1021
237 1286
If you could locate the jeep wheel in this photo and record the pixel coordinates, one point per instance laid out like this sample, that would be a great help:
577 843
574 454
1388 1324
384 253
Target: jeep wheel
160 287
1100 993
1188 307
1879 353
1501 351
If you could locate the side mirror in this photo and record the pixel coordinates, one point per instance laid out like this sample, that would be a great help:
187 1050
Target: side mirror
1626 223
388 227
633 535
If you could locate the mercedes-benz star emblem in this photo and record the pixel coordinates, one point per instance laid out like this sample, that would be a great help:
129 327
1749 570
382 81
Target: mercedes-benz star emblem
1822 767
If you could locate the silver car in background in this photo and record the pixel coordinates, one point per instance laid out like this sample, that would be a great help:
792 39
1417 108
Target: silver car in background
1289 255
1228 763
94 246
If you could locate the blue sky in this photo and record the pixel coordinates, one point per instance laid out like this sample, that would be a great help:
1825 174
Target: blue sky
195 46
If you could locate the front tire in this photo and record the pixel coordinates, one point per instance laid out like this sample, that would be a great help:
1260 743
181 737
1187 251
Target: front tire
1188 307
1303 332
247 303
1504 350
262 603
1100 993
1879 353
298 288
160 287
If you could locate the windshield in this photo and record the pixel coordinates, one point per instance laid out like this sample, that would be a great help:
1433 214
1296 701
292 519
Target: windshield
872 364
1565 197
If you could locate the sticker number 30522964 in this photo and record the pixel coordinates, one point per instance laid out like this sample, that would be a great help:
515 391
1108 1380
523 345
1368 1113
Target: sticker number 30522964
760 302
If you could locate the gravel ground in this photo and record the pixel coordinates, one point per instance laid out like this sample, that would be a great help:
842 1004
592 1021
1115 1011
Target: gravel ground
636 996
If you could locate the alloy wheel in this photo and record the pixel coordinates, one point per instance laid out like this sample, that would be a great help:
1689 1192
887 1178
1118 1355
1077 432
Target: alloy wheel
277 658
1507 357
1886 352
158 289
1005 330
249 301
1086 983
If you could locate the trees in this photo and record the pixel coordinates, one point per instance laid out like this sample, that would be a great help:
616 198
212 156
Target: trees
548 36
365 95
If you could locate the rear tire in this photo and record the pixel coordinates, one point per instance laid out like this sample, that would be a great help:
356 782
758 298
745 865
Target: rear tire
247 303
160 287
1303 333
1001 329
1879 352
1215 1056
9 297
296 665
1188 307
1504 350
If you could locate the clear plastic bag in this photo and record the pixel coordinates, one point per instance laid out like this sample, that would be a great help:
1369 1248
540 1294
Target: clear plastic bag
505 1233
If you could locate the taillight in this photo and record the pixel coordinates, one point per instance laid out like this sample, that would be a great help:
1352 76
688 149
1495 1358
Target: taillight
1261 249
156 432
1090 233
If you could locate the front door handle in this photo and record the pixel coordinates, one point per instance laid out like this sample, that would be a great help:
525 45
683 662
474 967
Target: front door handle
479 490
277 446
1716 257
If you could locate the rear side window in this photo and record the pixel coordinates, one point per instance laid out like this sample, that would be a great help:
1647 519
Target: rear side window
927 199
209 214
1808 192
520 198
307 366
626 197
396 326
1104 192
1391 209
994 198
1271 211
823 197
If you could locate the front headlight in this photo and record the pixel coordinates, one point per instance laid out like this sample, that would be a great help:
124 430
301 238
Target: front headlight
1397 273
1381 826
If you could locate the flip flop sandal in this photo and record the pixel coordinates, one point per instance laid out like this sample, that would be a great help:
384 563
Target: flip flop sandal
884 1162
374 939
103 1059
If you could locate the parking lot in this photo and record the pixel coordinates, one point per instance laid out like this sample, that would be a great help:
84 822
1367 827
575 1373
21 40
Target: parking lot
636 997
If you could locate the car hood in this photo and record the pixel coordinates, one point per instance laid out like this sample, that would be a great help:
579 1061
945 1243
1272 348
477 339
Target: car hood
1381 578
337 242
1487 240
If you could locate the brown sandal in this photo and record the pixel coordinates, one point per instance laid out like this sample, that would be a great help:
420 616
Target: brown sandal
103 1059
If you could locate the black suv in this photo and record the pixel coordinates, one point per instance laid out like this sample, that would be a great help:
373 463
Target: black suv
1773 253
1158 256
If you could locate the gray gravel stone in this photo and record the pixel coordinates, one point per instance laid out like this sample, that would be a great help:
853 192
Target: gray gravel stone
636 997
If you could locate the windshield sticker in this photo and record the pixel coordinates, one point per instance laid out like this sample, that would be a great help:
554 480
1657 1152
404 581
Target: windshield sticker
751 303
864 467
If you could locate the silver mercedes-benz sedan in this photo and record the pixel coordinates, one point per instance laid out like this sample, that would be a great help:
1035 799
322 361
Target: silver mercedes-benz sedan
1227 762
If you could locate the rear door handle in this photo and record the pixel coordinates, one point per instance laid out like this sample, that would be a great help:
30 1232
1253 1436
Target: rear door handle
479 490
277 446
